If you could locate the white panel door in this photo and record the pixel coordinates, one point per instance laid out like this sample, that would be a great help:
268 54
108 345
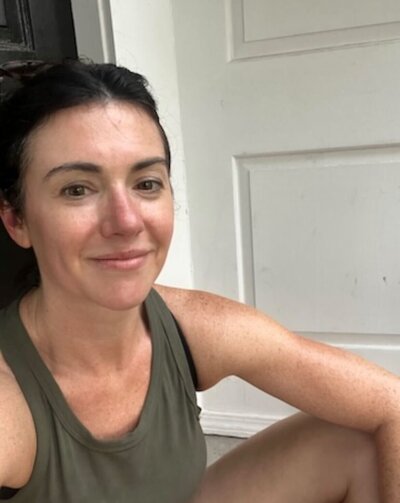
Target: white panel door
291 123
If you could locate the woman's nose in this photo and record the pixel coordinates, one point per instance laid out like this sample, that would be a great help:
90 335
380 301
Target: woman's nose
121 215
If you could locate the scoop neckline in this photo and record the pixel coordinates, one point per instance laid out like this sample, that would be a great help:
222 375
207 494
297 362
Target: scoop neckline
59 404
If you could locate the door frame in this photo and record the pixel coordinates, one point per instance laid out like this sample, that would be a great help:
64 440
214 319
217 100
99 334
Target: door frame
97 43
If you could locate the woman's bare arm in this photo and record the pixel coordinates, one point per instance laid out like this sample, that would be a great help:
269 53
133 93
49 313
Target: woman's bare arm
228 338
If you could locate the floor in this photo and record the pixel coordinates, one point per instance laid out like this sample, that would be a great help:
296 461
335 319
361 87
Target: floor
218 446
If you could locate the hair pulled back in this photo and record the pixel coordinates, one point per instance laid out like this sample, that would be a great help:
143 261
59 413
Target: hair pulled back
30 93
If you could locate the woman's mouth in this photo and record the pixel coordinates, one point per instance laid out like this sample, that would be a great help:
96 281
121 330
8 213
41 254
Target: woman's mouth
125 260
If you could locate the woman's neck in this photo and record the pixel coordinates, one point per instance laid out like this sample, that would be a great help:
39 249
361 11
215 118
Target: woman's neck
83 338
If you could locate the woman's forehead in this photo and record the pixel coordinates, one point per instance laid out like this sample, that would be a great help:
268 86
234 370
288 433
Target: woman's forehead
98 130
96 118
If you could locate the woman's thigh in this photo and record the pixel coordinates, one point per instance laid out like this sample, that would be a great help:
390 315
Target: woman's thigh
300 459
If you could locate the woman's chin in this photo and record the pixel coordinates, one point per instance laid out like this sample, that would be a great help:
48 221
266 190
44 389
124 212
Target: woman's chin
124 302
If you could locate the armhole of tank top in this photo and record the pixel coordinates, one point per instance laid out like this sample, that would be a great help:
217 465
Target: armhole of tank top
188 353
7 493
177 346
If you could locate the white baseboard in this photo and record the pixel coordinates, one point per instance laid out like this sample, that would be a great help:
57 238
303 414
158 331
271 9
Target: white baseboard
234 425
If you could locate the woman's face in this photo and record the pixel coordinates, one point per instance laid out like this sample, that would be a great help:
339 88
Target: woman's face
98 206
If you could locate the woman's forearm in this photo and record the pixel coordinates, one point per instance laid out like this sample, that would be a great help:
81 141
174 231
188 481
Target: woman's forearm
388 446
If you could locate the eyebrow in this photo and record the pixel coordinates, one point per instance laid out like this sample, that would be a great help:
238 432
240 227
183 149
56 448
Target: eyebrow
88 167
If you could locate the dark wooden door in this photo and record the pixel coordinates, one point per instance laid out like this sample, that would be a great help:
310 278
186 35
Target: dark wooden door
30 29
36 29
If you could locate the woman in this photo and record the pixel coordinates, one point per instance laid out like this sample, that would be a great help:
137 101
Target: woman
99 367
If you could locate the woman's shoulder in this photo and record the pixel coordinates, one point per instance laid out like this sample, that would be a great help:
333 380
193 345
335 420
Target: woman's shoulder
208 315
188 302
215 328
17 431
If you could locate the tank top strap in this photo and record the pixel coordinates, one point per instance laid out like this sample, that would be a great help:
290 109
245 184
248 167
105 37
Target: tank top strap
156 302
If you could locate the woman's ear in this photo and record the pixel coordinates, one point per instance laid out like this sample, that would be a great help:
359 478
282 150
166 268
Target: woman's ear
15 225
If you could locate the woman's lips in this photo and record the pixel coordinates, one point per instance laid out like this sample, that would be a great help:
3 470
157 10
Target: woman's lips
133 259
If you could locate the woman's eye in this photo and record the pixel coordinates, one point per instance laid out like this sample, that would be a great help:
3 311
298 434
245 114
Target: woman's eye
149 185
75 191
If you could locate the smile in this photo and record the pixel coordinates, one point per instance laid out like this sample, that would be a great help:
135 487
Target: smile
133 259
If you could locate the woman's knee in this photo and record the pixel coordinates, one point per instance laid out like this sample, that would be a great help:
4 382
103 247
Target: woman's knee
300 455
343 456
346 446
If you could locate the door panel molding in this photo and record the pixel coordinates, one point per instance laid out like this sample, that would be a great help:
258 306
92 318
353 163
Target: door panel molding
336 257
243 45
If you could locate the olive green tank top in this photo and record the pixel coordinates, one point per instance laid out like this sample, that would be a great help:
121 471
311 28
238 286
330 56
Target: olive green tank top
161 461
